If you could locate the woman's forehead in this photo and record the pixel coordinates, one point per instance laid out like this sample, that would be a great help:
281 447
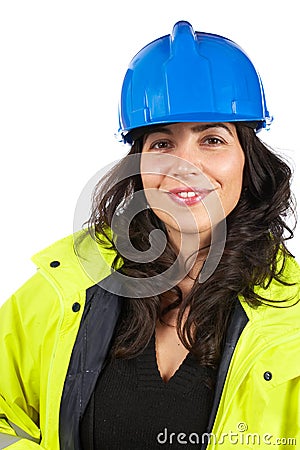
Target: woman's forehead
195 127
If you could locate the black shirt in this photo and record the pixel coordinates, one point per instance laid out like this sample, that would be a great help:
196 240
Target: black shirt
133 408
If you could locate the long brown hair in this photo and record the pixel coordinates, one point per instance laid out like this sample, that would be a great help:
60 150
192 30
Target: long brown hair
256 230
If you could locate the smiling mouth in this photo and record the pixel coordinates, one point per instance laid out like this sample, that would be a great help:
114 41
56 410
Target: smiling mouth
188 197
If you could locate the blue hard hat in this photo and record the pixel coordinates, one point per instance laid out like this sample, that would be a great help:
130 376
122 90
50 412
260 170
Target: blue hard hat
191 77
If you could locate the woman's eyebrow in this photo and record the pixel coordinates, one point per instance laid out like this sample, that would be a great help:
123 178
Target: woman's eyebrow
204 126
159 129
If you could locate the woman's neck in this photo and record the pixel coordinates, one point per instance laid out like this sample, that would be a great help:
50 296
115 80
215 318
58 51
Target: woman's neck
192 250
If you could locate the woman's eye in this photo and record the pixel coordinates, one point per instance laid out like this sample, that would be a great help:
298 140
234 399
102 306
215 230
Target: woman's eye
213 140
160 145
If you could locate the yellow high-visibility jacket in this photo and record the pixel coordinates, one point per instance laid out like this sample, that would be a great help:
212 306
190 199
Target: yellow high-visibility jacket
46 327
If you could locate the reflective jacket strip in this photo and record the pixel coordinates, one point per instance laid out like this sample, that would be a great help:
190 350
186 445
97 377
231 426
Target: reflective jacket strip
7 439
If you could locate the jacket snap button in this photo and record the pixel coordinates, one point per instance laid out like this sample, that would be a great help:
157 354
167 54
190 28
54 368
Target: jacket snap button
268 376
76 307
54 264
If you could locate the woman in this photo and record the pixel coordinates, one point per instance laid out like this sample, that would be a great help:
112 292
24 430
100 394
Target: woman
175 320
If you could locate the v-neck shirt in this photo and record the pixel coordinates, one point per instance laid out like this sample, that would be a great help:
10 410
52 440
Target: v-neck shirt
133 408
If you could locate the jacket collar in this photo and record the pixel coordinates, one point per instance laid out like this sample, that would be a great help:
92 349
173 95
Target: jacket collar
278 295
75 263
78 262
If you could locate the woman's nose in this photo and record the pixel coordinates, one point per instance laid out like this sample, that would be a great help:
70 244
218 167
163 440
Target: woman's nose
184 164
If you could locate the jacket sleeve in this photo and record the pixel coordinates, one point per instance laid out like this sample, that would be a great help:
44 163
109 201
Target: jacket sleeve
20 370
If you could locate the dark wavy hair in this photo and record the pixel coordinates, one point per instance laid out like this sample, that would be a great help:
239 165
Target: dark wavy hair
256 232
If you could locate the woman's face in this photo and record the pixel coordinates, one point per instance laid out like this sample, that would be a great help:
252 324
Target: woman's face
192 174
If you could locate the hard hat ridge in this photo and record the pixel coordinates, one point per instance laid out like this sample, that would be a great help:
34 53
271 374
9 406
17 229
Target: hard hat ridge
182 38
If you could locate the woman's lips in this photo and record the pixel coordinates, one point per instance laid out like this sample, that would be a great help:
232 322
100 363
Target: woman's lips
188 196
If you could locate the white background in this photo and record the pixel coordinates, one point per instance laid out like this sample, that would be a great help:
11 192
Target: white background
62 64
